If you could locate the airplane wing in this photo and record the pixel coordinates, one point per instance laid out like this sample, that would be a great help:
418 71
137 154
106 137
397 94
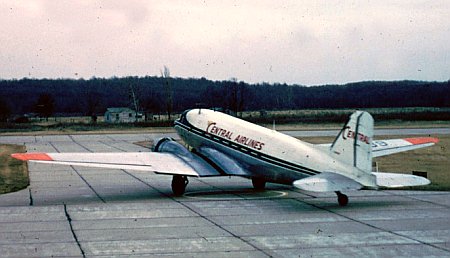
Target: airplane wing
161 163
388 147
391 146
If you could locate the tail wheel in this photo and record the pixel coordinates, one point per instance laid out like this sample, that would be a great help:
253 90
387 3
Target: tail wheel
179 184
258 183
342 199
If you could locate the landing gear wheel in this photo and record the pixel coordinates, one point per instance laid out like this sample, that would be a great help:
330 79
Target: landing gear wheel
342 199
179 184
258 183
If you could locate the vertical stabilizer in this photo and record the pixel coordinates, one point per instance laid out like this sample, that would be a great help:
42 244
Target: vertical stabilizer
353 144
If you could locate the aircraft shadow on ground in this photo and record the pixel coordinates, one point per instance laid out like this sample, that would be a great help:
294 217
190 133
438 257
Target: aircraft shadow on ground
223 193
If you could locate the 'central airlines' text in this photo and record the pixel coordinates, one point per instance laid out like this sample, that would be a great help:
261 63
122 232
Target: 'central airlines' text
241 139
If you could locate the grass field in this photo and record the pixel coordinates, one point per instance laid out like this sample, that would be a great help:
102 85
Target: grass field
320 116
13 173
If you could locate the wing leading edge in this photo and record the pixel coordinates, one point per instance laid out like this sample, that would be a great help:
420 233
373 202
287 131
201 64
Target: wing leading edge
162 163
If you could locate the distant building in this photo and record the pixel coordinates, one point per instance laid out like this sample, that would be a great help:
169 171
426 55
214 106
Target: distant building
122 115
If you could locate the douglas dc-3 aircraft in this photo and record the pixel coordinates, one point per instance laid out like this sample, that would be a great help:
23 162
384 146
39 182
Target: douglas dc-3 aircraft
222 145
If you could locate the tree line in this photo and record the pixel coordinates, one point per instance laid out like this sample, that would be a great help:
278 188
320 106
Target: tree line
162 95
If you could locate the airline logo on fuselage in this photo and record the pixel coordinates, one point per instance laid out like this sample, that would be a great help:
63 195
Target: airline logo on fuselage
212 128
349 133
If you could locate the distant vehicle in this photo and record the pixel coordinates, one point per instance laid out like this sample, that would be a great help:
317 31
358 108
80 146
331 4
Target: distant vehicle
222 145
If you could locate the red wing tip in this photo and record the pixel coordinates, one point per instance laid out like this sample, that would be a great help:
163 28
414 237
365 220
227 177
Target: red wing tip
422 140
31 156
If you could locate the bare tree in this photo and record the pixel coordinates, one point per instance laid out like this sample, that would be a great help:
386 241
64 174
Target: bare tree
45 105
92 100
134 100
236 96
168 85
5 111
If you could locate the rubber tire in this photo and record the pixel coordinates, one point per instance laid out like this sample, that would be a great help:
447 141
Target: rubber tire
258 184
179 184
342 199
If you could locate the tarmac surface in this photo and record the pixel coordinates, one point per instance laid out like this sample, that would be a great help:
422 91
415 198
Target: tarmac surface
84 212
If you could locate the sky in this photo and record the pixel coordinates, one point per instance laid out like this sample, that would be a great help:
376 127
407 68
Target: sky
294 42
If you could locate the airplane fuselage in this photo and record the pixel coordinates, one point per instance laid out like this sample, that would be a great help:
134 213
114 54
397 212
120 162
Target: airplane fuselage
261 152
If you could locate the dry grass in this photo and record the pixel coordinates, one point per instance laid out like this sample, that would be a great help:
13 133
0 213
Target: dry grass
434 160
13 173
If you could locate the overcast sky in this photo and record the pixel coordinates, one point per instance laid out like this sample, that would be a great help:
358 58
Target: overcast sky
297 42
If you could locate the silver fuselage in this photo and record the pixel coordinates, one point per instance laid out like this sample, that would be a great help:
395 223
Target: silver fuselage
261 152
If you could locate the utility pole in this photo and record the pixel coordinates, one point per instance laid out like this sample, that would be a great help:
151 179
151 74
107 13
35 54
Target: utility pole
135 102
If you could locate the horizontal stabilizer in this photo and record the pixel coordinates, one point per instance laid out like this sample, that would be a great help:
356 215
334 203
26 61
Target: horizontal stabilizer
327 182
387 147
393 180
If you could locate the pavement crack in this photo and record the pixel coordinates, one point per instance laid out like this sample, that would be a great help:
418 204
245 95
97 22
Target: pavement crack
199 214
54 147
111 146
375 227
224 229
31 197
69 219
89 185
78 173
417 199
79 144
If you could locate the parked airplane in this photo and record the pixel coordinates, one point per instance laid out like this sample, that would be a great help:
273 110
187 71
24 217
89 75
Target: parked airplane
222 145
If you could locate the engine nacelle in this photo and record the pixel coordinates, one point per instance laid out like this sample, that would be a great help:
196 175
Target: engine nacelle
202 167
169 145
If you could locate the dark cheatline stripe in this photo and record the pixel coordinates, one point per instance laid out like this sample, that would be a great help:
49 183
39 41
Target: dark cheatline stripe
245 150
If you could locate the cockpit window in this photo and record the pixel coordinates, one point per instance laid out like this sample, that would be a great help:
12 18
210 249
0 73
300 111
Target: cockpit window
183 117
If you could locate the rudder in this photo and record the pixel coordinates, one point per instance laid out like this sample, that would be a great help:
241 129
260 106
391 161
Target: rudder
353 144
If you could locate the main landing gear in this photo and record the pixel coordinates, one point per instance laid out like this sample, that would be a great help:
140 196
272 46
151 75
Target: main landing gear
179 184
258 183
342 199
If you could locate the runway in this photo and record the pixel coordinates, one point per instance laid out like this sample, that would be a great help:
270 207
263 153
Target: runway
84 212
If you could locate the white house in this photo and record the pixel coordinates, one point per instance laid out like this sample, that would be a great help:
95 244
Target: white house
122 115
